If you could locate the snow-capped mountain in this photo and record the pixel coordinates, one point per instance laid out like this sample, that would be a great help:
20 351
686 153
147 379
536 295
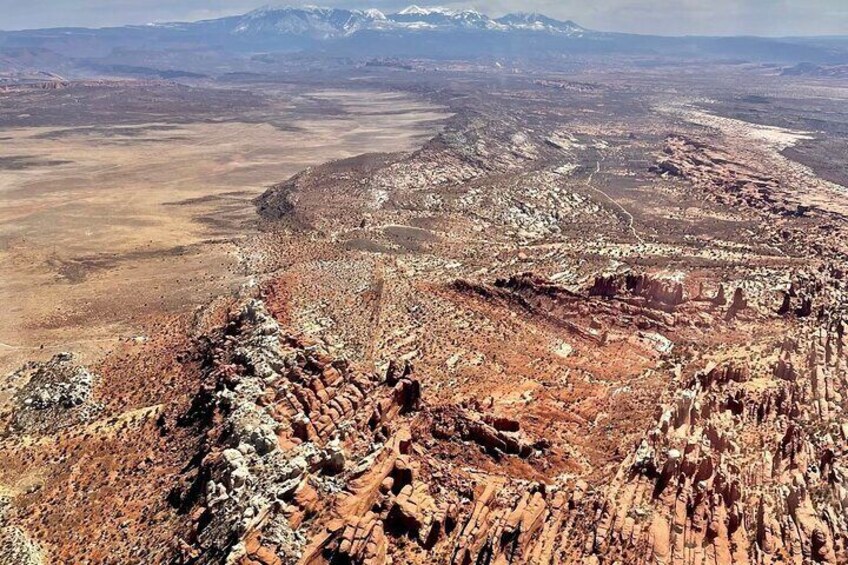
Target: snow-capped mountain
415 32
443 18
326 23
319 23
540 22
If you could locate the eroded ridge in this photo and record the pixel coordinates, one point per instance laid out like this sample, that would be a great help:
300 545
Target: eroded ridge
742 466
285 422
308 459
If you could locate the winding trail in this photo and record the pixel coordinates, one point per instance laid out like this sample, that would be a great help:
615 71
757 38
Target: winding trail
627 214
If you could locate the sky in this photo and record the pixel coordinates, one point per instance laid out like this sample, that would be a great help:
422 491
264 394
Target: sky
661 17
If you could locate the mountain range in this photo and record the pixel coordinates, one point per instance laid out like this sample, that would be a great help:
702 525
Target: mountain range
326 23
436 33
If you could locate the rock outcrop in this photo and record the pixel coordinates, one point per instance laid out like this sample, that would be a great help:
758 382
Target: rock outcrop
53 395
287 425
741 467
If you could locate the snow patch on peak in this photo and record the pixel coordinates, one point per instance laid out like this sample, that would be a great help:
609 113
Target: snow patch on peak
374 14
534 21
414 10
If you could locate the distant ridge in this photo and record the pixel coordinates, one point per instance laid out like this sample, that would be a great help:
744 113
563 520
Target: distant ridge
328 23
414 32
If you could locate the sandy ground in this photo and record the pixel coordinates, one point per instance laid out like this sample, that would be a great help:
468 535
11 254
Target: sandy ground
101 228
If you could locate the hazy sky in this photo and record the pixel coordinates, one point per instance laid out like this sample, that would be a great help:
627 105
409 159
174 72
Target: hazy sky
667 17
